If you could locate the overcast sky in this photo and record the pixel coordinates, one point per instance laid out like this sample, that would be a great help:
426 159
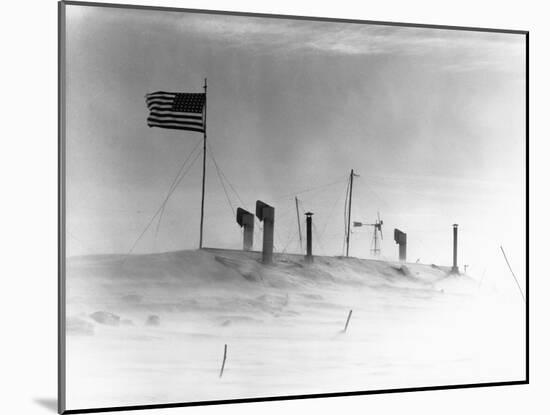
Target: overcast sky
433 121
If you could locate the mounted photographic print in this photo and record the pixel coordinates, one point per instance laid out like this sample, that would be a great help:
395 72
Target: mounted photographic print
256 207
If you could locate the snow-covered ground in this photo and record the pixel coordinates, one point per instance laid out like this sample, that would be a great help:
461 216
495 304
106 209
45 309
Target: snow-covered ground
151 329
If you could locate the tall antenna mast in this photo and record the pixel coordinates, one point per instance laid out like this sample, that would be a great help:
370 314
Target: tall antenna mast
203 166
349 211
299 226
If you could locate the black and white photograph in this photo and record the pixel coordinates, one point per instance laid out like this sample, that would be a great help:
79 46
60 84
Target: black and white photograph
257 207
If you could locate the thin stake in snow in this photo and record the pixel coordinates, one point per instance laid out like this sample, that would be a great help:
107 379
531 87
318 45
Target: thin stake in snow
513 275
347 321
224 358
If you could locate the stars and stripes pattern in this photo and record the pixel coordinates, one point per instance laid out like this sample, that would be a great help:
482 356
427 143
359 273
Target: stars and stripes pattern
176 110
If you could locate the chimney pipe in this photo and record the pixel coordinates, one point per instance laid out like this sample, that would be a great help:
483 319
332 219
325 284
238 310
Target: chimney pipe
454 270
266 214
245 220
401 239
309 254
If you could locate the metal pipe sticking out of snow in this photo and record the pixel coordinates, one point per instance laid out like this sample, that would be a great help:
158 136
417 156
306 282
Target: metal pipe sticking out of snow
309 253
454 270
245 220
401 239
266 214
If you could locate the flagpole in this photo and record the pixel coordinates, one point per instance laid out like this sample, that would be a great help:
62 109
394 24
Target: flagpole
203 166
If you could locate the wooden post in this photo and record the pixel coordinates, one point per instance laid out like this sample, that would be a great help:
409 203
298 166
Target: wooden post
347 321
224 358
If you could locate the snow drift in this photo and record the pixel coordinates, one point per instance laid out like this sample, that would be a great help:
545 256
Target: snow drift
150 329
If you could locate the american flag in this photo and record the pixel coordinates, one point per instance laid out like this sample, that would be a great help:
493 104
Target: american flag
176 110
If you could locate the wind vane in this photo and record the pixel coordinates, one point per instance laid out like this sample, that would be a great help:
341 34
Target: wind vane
377 225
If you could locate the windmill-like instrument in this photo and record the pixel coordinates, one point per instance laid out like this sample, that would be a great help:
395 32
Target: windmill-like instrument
377 235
